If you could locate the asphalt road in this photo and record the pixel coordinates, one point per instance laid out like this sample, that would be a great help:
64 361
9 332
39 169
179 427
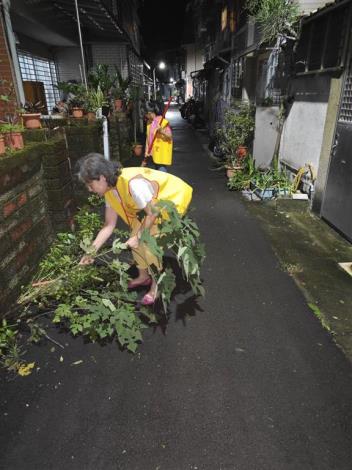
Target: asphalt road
245 379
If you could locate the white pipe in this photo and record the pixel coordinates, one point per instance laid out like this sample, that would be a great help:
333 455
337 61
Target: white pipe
13 51
81 45
106 138
154 82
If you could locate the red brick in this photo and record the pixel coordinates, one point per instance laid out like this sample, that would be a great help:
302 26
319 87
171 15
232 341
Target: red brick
23 256
21 200
20 229
9 208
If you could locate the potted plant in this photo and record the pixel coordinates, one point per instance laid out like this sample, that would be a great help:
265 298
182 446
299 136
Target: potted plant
31 114
241 180
119 91
235 135
271 183
118 96
76 105
94 101
74 96
12 132
137 149
101 77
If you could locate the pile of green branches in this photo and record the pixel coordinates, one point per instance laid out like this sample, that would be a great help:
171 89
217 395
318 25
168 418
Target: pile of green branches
94 300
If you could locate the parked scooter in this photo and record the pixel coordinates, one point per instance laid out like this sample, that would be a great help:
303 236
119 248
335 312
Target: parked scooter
186 108
197 117
193 111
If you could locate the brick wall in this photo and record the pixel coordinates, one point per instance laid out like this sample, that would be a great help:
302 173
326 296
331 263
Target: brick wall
25 228
38 195
6 75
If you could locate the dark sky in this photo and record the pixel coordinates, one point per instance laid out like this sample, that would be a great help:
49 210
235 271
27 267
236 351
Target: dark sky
162 24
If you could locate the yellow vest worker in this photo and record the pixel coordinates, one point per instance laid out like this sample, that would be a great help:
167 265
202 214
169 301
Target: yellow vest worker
167 187
162 148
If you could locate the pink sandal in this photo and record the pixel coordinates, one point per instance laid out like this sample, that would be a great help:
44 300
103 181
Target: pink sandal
133 284
149 299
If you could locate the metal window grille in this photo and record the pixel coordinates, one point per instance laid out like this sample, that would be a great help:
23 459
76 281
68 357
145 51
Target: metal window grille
43 70
322 43
136 69
237 79
346 102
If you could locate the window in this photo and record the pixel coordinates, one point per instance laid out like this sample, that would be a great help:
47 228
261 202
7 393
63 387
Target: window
321 45
43 70
232 21
224 19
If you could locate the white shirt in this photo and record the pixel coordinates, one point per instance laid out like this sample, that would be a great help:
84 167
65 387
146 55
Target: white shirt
142 192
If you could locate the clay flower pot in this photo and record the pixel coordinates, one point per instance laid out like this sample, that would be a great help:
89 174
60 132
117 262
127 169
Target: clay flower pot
31 120
118 105
138 150
2 145
91 116
242 151
77 112
231 170
14 140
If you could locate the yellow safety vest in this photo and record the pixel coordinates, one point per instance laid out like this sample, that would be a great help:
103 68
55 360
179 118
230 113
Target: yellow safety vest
168 187
162 148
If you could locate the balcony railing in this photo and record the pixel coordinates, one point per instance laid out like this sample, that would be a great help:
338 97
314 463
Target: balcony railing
242 42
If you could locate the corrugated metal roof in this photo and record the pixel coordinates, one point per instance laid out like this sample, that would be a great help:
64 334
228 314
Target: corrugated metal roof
326 7
94 15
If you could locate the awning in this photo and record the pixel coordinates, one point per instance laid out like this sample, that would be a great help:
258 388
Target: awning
217 62
98 23
202 74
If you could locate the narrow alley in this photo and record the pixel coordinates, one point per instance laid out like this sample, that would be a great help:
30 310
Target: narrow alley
244 379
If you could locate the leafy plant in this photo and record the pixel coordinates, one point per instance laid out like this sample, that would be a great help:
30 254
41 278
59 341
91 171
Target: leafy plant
10 351
75 93
275 179
237 130
100 77
94 100
119 91
10 127
277 18
242 178
32 108
8 90
180 235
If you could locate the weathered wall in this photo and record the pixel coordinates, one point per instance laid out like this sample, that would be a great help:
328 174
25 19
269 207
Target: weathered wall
120 130
111 53
302 135
328 140
81 139
265 135
68 60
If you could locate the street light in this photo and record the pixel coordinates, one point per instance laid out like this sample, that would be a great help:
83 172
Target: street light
161 66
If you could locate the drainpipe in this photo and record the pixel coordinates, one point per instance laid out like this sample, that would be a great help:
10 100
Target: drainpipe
13 51
106 138
106 148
